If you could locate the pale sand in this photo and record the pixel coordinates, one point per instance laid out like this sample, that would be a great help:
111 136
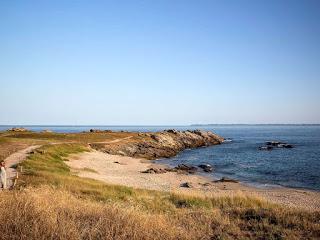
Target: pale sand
128 172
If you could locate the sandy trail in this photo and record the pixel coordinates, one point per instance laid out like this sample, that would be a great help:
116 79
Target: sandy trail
126 171
14 159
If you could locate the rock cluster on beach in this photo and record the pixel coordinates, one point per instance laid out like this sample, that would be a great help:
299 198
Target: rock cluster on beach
163 144
181 168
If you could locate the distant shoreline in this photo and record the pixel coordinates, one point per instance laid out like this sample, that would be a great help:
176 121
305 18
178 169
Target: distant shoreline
165 125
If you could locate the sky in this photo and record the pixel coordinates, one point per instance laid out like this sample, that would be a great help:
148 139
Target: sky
172 62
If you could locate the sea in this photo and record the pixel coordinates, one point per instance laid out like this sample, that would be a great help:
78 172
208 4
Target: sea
240 157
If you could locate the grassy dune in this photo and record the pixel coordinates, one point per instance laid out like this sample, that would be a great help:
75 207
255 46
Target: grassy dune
11 142
54 204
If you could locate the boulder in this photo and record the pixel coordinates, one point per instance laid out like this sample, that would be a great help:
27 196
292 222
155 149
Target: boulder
155 170
186 185
172 131
224 179
186 168
95 130
206 167
285 145
278 144
273 143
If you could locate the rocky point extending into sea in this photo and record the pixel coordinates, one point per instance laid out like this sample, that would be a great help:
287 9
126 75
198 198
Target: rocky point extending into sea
163 144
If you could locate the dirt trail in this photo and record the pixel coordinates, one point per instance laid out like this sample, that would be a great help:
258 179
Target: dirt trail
14 159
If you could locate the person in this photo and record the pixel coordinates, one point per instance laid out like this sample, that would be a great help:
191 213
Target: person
3 175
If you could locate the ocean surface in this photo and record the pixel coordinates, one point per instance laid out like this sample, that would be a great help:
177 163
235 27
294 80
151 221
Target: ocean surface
241 159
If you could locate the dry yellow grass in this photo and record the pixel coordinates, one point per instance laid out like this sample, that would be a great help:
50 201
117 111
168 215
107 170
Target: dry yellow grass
49 213
51 203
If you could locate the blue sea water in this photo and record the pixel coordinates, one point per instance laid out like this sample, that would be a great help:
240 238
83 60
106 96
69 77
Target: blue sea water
298 167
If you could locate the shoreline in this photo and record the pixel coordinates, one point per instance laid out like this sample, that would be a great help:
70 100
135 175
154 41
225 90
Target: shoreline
242 182
127 171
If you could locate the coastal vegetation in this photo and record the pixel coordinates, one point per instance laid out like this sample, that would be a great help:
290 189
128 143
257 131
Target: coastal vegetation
51 202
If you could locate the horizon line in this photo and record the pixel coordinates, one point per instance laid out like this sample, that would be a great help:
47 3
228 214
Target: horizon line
150 125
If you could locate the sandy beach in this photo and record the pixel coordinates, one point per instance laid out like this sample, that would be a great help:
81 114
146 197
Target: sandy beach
127 171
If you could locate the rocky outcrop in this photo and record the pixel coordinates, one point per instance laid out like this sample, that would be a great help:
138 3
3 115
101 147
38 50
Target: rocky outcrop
18 129
99 131
186 168
181 168
163 144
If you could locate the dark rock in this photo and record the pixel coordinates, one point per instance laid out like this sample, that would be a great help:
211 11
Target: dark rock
273 143
186 185
172 131
224 179
187 168
279 144
99 131
285 145
171 169
155 137
206 167
119 163
155 170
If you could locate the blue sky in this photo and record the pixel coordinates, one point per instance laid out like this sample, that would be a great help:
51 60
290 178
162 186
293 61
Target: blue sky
159 62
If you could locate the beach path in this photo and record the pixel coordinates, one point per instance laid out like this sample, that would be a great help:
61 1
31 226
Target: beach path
15 159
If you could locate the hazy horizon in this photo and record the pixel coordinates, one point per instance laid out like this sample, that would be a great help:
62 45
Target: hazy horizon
161 125
159 63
